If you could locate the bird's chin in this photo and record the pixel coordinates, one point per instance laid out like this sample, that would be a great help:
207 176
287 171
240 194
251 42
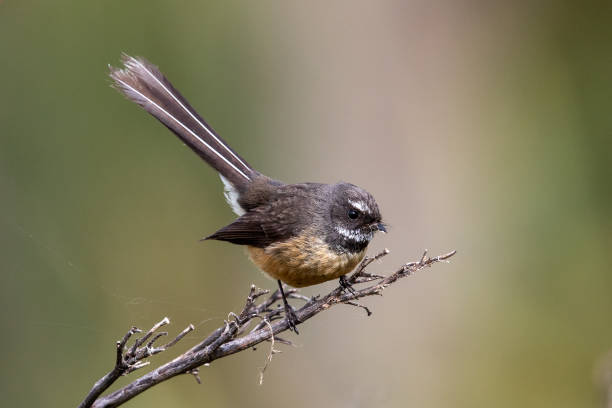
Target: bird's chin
353 240
365 235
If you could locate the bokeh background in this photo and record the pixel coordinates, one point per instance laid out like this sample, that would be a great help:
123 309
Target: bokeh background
480 127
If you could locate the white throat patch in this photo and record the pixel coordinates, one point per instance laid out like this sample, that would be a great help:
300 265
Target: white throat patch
352 235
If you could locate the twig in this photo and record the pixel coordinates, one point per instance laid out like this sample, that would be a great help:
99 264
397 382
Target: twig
270 354
132 359
350 302
237 335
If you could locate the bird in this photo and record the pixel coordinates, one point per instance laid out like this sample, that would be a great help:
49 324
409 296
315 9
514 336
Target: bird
300 234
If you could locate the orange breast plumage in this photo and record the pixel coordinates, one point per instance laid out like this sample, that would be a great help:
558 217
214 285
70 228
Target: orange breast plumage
303 261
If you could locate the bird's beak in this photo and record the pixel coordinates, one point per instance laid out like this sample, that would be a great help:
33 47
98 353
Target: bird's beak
381 227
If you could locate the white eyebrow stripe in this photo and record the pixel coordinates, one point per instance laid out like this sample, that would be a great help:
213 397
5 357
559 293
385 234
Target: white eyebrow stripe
360 205
190 114
184 127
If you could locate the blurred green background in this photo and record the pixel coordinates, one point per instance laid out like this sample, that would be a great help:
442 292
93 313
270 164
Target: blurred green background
479 127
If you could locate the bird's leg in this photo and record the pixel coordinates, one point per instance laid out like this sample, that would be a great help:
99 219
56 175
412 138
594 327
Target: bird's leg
289 312
346 286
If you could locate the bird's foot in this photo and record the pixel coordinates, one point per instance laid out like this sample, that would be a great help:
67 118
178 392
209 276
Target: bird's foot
292 318
289 312
346 286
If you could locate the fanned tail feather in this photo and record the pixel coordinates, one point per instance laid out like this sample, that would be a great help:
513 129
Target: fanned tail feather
141 82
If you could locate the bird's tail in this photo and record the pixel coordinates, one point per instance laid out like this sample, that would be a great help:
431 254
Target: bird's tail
145 85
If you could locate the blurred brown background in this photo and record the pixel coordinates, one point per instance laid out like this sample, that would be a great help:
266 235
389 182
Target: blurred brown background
478 127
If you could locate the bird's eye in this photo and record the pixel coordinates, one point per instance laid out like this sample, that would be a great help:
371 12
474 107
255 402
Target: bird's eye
353 214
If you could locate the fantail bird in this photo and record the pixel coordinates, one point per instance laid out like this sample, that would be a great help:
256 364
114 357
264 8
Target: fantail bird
300 234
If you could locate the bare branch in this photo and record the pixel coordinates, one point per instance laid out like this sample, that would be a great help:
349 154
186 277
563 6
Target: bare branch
132 359
241 332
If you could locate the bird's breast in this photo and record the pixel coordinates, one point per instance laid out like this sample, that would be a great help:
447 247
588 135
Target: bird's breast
304 260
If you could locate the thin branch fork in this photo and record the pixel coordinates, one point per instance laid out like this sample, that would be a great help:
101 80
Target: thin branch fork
238 333
133 358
